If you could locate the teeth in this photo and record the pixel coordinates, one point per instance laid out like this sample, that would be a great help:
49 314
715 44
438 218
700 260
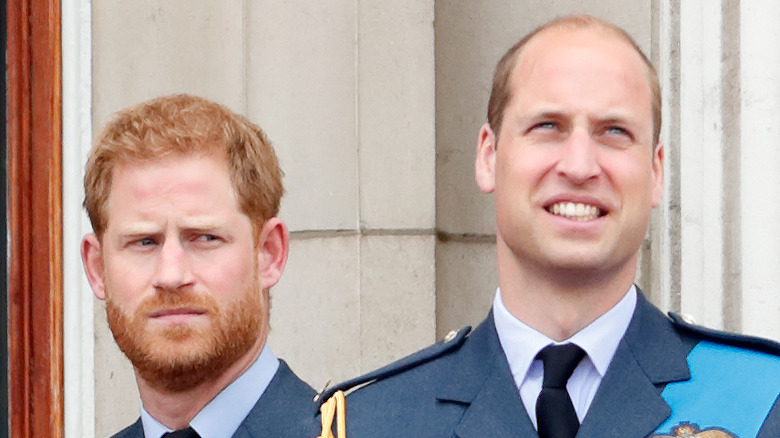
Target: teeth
577 212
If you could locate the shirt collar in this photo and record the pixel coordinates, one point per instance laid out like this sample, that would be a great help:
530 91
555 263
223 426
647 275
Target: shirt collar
225 412
600 339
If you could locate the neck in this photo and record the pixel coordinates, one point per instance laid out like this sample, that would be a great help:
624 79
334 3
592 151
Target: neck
177 409
559 302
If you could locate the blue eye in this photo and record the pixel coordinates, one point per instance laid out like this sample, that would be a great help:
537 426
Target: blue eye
146 241
545 125
208 240
620 134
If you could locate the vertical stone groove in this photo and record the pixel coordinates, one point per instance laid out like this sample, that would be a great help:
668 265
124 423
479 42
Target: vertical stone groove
673 154
731 165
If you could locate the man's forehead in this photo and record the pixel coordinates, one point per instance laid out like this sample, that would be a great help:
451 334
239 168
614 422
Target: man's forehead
564 40
566 36
154 181
168 157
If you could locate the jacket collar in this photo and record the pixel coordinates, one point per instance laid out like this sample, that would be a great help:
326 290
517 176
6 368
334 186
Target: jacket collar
628 402
482 380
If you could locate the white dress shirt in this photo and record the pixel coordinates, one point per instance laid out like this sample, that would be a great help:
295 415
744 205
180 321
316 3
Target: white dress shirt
599 340
224 413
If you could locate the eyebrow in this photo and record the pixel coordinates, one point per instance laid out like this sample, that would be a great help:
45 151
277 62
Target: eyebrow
532 116
197 223
544 113
617 118
201 223
138 228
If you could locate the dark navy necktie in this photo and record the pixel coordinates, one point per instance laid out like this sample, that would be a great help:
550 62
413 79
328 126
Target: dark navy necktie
182 433
555 415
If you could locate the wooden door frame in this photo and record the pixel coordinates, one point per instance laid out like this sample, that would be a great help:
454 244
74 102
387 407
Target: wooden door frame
34 131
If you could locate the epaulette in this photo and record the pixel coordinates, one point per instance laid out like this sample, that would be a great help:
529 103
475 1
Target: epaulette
453 340
763 345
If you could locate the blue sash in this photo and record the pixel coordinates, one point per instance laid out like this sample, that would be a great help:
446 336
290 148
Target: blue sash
730 388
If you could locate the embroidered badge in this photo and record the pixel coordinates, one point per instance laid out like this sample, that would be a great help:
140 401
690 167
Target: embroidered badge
690 430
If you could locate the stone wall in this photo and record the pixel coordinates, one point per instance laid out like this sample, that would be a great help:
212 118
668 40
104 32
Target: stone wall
374 109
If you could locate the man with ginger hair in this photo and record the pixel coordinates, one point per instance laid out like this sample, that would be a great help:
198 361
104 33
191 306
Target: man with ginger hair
571 154
183 195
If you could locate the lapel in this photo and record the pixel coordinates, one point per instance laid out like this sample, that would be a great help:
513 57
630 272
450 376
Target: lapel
135 430
284 409
650 355
481 380
628 402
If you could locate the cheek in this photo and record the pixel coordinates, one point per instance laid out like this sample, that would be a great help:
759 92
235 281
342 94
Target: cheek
120 278
526 164
123 295
230 275
126 283
518 181
634 175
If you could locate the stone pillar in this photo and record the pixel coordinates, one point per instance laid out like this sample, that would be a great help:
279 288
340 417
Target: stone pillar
714 242
349 105
759 163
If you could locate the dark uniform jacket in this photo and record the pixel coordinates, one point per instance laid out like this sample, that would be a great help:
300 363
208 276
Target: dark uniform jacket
284 410
667 378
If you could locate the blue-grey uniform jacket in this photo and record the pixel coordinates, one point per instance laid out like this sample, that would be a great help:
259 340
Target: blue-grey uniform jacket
284 410
667 378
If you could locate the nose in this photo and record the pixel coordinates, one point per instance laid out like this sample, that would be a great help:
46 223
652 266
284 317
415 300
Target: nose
579 159
173 271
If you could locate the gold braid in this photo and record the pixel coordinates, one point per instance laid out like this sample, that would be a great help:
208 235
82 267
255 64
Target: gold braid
334 405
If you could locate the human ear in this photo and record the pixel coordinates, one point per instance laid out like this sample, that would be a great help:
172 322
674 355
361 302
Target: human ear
658 174
92 259
485 163
272 256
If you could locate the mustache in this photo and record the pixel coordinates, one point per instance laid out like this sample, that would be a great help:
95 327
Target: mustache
168 299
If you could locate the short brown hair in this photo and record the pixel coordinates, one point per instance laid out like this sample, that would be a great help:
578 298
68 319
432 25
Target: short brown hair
182 125
501 92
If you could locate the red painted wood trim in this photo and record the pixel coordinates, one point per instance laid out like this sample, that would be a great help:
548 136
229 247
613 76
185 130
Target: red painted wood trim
35 218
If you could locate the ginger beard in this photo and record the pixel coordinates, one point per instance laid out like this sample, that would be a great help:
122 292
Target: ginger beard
181 356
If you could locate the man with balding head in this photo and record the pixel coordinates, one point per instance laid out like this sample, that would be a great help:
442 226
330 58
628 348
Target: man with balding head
572 156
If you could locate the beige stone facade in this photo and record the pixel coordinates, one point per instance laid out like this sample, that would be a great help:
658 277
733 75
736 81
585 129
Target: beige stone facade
374 109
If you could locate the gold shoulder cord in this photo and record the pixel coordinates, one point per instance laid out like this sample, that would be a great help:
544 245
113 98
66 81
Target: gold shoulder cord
334 405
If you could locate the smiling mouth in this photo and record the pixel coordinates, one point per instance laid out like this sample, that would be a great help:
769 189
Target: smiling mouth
576 211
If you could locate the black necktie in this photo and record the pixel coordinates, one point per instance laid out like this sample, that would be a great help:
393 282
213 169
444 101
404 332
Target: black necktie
555 415
182 433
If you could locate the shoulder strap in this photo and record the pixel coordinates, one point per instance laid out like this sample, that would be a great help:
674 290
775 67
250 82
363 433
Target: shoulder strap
452 341
750 342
